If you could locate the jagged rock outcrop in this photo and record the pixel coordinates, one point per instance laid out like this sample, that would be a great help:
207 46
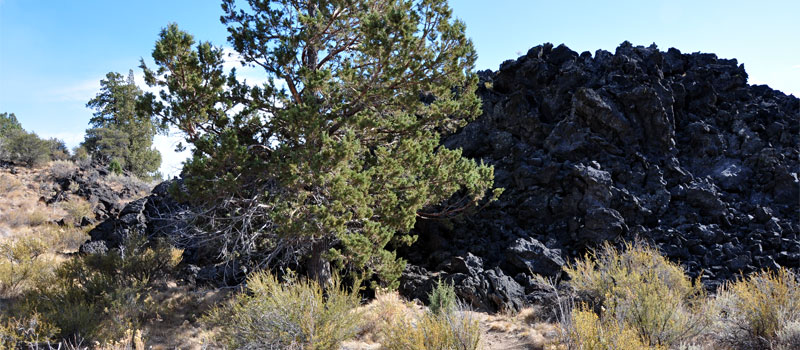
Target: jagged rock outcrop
673 148
161 215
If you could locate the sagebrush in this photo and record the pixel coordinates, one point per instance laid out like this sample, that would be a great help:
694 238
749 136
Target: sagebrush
296 314
760 311
636 288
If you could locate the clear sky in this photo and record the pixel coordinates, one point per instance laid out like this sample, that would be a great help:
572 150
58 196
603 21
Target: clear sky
54 53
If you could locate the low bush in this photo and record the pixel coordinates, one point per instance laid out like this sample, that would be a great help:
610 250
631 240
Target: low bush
37 218
442 298
30 329
640 290
451 330
77 209
760 311
587 331
61 238
446 325
26 148
130 185
387 309
296 314
99 297
62 169
22 265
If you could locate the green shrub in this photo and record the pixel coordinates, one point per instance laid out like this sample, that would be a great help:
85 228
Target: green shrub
760 311
642 291
30 330
99 297
22 265
442 298
115 167
453 329
26 148
77 209
297 314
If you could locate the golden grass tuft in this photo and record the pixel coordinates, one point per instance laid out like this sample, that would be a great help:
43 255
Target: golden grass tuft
296 314
77 208
643 292
590 332
456 329
386 309
760 311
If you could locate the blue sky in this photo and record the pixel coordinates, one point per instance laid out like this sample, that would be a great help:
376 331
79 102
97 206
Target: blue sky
54 53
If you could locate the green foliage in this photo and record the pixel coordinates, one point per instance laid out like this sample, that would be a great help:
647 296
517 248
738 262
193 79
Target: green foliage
442 298
338 152
58 150
30 330
452 329
26 148
297 314
760 311
120 131
639 289
8 124
22 147
99 297
22 265
114 167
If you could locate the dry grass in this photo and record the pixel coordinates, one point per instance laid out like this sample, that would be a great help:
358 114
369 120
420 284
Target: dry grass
62 169
523 330
119 183
295 314
76 208
590 332
456 329
760 311
642 291
387 308
9 184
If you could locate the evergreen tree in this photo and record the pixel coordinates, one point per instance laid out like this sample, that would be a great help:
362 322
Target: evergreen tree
26 148
8 124
336 156
119 131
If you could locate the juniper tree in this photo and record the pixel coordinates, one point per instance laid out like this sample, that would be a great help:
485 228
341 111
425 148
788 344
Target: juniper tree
337 154
119 131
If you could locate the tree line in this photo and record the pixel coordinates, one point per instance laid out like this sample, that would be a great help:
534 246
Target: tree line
120 136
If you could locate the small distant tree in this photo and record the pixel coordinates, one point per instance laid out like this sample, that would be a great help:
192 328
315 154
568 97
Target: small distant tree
120 132
337 154
8 124
27 149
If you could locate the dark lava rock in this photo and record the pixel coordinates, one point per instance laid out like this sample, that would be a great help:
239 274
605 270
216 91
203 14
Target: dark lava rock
673 148
489 290
530 255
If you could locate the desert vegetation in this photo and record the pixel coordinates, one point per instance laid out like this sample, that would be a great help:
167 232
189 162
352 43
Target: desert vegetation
306 195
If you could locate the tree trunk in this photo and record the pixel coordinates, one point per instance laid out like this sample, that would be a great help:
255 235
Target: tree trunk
319 268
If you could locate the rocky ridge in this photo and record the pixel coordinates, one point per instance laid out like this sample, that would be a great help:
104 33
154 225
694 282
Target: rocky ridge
675 149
